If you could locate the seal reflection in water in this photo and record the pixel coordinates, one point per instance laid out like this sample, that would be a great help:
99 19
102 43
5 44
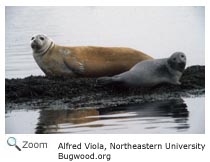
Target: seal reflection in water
150 73
87 120
83 61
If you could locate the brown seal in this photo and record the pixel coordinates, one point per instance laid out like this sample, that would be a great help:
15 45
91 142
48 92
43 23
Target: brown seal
83 61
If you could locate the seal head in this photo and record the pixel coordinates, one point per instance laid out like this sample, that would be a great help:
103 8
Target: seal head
40 44
177 61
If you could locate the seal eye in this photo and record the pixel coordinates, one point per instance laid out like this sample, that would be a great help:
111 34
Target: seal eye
32 38
42 38
182 56
174 59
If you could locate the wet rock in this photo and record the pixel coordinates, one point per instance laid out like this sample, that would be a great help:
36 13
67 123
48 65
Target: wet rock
83 92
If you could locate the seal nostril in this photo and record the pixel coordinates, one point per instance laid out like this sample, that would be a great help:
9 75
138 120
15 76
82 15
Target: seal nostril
32 38
33 46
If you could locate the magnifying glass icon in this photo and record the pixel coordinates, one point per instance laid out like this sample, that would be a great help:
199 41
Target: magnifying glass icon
11 141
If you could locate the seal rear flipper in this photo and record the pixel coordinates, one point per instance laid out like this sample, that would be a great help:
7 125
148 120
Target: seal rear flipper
110 81
105 80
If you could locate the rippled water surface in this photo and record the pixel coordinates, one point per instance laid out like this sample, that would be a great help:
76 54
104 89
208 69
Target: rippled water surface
173 116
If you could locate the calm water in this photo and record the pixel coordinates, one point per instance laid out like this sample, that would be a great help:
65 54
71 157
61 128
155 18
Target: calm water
158 31
174 116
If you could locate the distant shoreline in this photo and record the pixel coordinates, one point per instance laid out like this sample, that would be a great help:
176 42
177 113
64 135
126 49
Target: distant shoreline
85 92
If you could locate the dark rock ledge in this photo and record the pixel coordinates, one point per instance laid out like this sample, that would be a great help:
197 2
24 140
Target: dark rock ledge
85 92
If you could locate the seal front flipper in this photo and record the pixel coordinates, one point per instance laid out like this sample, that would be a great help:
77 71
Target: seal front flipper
74 65
175 82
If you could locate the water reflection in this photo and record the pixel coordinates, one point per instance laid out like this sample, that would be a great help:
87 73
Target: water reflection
172 114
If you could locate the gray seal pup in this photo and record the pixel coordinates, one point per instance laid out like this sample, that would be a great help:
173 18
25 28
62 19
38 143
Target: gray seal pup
150 73
83 61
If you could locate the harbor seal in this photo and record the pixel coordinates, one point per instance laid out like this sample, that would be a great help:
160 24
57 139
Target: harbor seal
82 61
150 73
